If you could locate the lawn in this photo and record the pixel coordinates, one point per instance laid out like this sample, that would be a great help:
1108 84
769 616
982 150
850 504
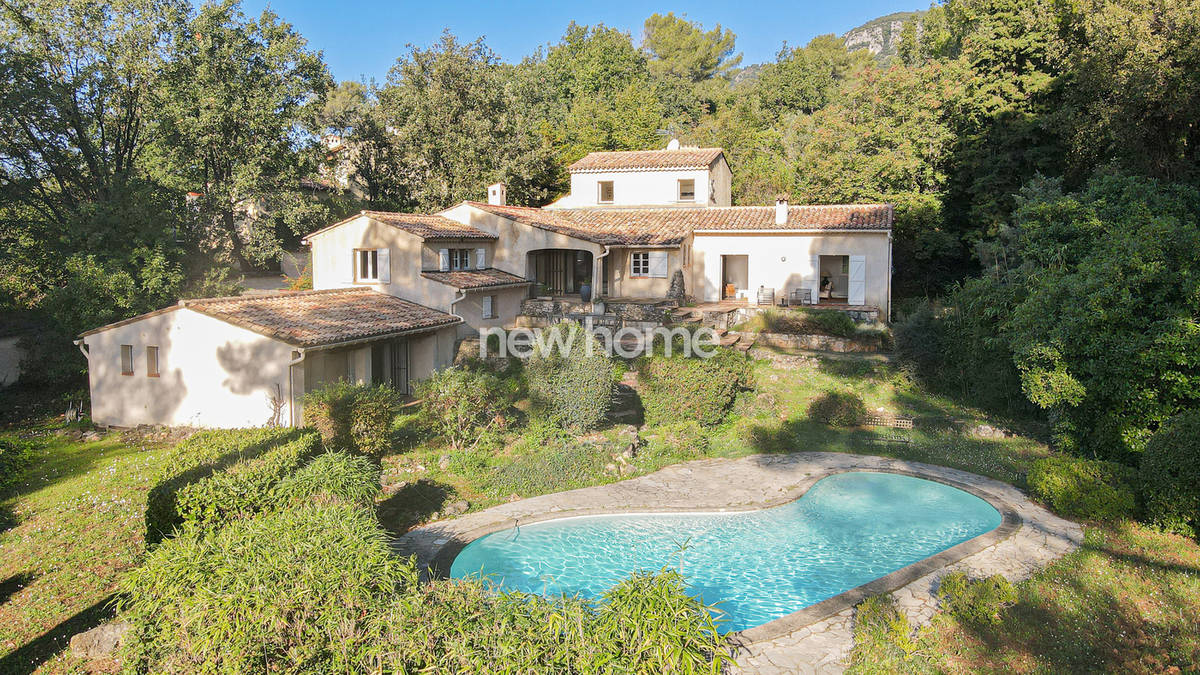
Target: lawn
1130 600
79 521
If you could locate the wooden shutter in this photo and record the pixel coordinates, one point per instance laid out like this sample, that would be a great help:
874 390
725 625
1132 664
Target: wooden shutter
487 306
349 276
857 291
658 264
480 258
444 259
385 266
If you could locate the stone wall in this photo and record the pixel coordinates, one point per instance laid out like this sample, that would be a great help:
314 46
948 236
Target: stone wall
826 343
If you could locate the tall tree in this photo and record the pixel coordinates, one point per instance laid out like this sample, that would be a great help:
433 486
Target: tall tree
237 98
804 79
681 48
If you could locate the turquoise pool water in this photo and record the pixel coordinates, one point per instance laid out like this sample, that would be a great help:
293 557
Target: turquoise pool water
848 529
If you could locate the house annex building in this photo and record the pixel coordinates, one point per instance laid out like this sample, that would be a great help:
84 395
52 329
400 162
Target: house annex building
395 292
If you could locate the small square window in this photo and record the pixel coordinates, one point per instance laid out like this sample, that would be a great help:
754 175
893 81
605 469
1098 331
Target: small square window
606 192
367 267
687 190
152 361
639 264
126 359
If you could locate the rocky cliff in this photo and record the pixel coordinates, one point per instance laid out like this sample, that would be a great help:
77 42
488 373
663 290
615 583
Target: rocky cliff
880 36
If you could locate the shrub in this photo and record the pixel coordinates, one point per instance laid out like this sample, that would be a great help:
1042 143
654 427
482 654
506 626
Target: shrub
882 635
680 441
571 388
645 624
976 602
333 476
838 409
678 389
352 416
246 487
15 456
1170 475
293 591
918 341
196 458
459 404
1082 488
373 413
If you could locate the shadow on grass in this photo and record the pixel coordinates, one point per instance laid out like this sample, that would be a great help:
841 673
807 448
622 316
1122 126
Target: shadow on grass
30 656
847 368
412 504
16 582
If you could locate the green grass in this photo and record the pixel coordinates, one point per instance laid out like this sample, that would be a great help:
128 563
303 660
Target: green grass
1128 601
79 521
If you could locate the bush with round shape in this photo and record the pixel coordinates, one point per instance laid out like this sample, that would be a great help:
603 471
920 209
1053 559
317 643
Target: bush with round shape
460 404
571 388
679 389
353 416
1082 488
976 602
331 477
1170 475
838 409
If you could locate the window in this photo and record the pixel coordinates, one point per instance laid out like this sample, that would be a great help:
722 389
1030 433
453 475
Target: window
489 307
639 264
687 190
460 258
126 359
151 361
606 192
367 268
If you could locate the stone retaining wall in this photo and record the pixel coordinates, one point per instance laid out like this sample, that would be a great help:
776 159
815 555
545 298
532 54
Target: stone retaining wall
826 343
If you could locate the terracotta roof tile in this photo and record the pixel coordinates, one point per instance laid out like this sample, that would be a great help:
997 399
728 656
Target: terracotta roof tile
318 318
472 279
683 158
670 226
423 225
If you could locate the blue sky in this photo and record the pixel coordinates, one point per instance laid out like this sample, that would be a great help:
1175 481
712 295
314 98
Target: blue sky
362 39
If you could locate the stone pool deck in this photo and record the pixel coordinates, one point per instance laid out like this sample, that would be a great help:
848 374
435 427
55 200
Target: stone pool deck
817 639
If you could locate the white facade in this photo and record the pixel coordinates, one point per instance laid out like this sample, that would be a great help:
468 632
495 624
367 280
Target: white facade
649 187
787 261
213 374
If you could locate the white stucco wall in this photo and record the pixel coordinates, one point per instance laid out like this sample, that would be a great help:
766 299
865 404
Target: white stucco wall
783 261
506 307
647 188
212 374
10 360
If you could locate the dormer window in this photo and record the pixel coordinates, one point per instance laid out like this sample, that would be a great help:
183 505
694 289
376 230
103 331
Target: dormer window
687 190
606 192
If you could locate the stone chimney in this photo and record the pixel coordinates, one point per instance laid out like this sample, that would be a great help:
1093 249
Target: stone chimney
497 195
781 209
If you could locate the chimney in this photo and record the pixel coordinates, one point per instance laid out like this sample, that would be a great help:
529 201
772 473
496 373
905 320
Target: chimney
673 144
781 210
497 195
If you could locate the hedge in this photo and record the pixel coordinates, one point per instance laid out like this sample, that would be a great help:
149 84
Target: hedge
680 389
246 487
460 404
1170 475
196 458
333 476
1084 488
294 591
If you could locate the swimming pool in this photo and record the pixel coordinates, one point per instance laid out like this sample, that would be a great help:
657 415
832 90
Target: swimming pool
848 529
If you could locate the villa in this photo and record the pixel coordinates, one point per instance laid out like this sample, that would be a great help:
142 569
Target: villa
394 293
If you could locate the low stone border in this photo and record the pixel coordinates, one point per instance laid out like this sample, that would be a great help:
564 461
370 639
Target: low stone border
819 637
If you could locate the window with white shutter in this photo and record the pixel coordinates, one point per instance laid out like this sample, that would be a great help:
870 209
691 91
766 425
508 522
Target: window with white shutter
480 258
639 264
658 264
489 306
444 259
366 264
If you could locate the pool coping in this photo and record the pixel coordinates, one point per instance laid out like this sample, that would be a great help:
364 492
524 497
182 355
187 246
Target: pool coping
1010 523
